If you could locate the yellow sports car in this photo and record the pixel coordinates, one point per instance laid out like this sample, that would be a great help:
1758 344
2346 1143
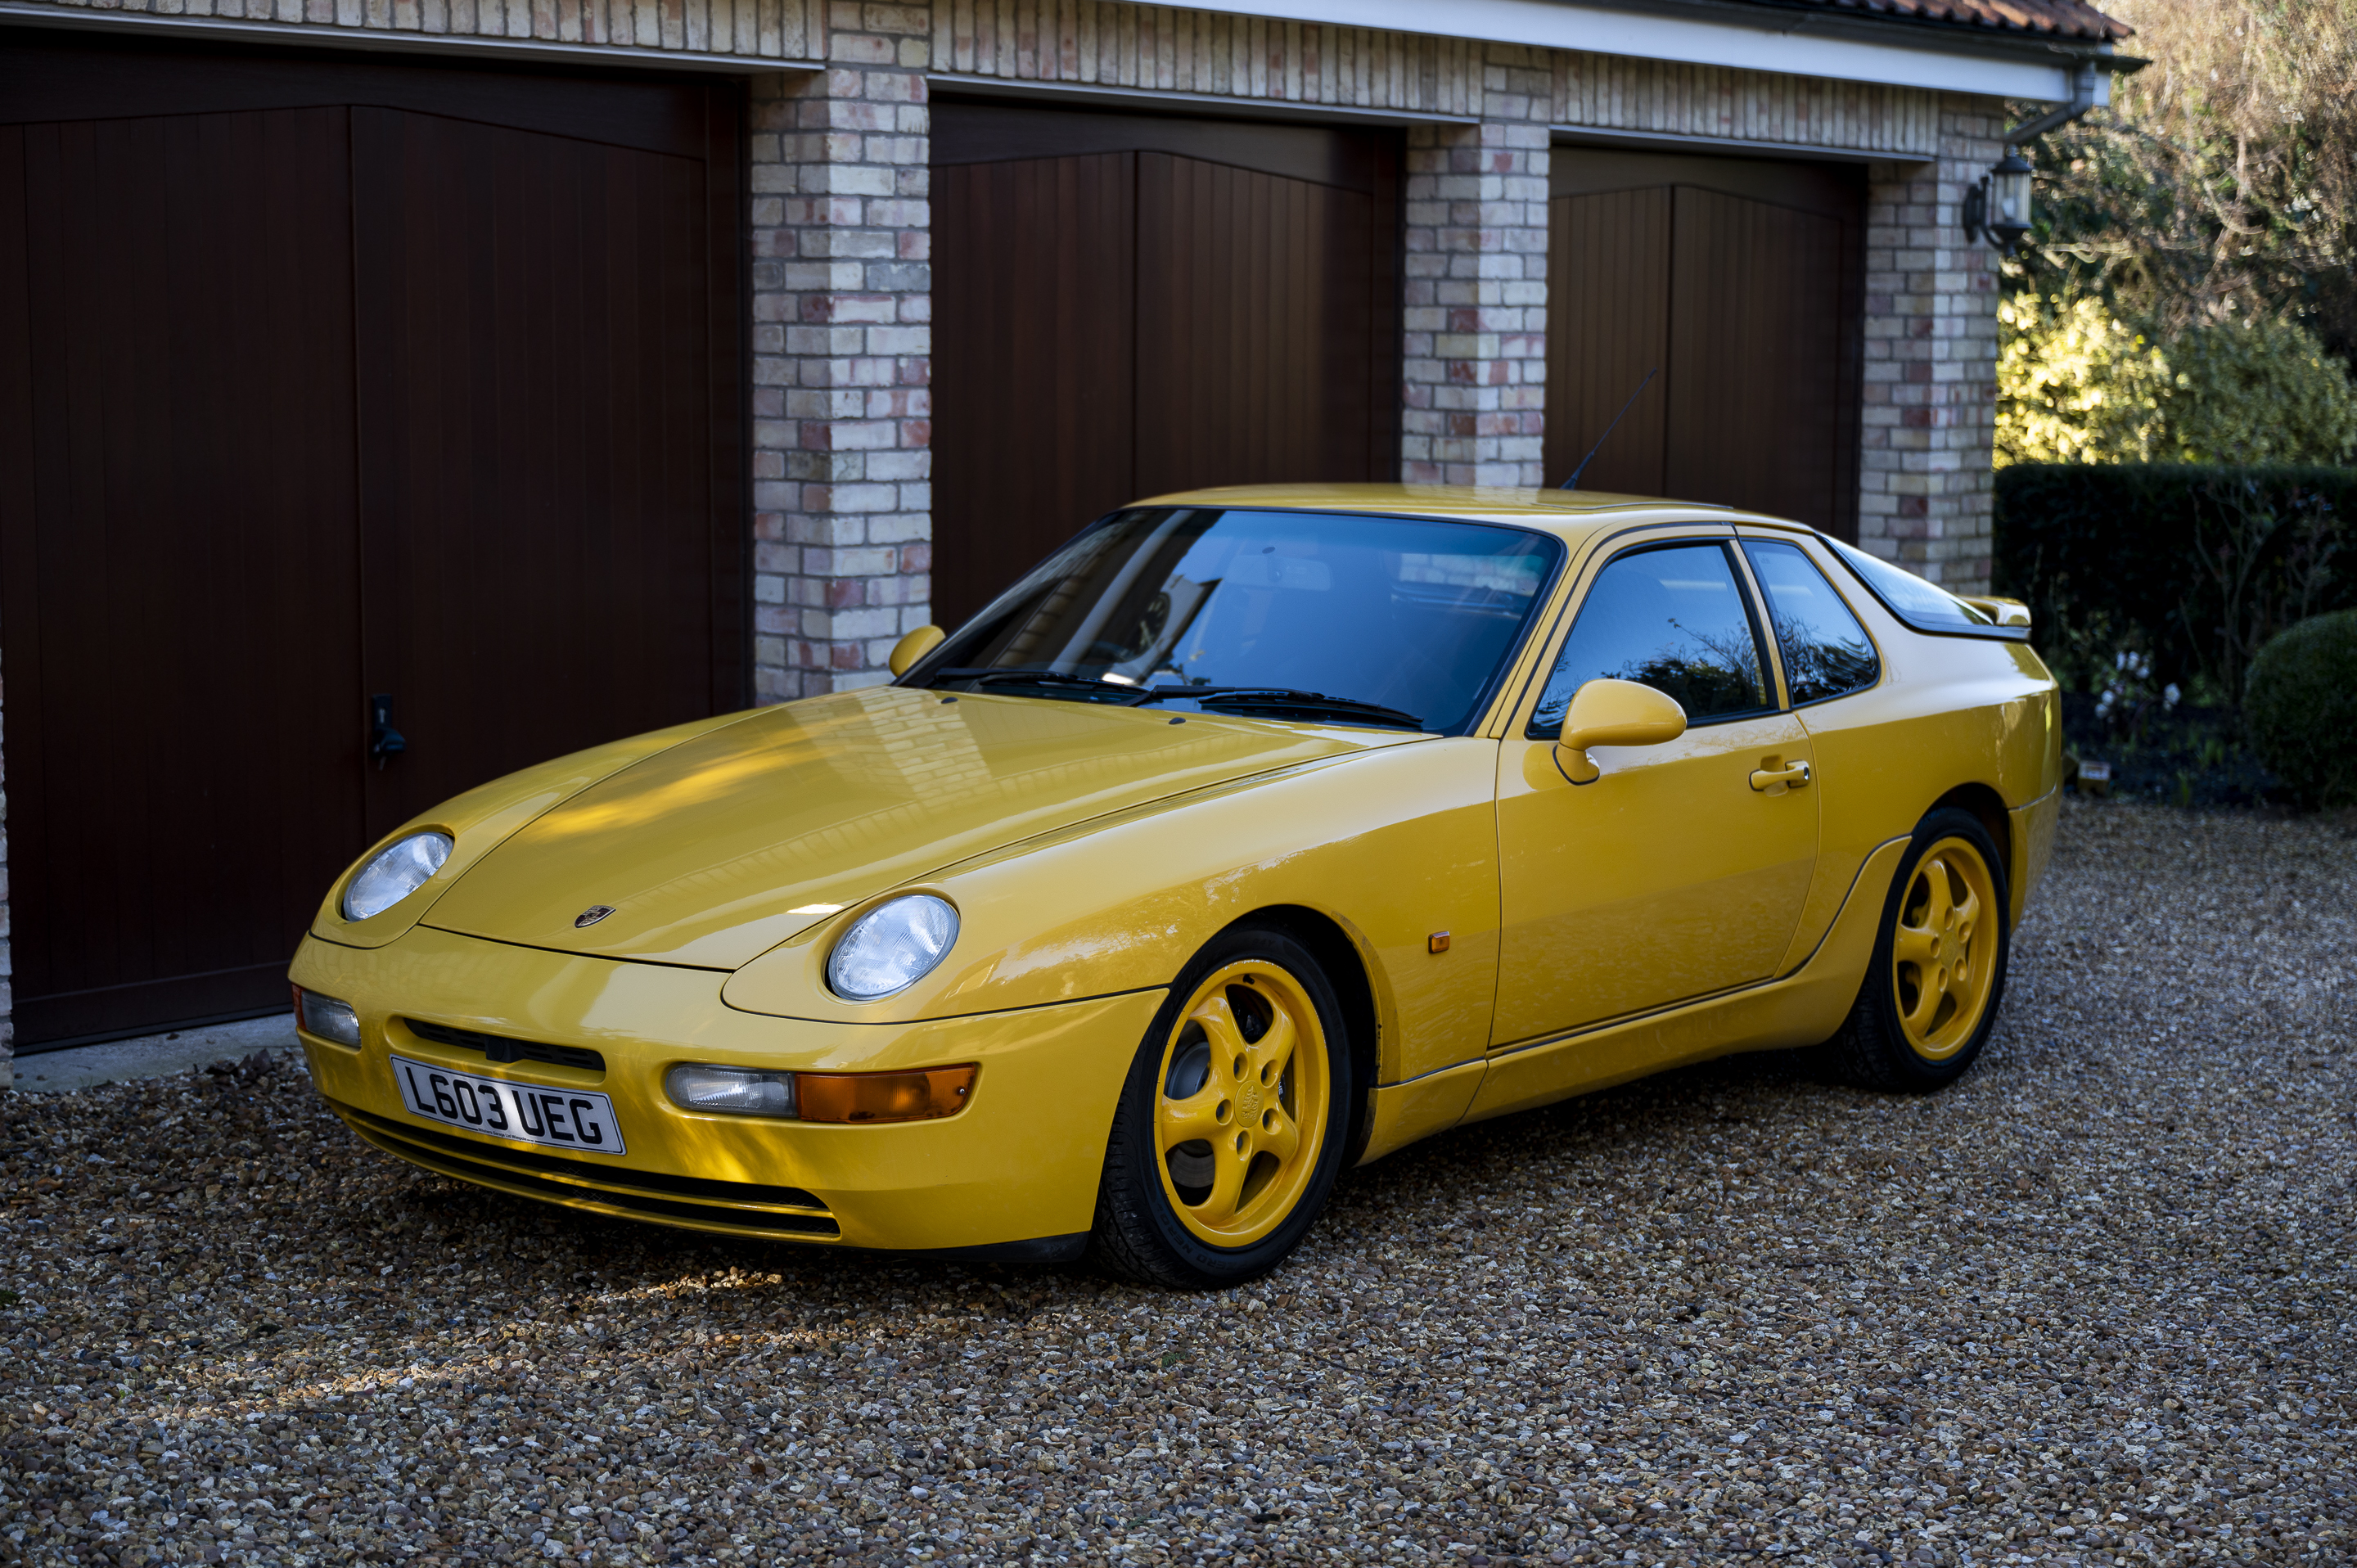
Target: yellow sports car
1256 834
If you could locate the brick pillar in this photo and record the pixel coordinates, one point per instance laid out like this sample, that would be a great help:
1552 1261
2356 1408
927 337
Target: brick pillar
1475 348
842 346
1925 495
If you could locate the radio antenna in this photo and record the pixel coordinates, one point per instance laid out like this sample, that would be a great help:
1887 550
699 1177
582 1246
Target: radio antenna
1572 483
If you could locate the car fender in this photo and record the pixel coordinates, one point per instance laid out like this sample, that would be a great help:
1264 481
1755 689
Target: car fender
483 818
1397 847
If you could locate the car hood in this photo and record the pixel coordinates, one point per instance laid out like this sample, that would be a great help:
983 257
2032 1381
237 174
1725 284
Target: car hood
714 851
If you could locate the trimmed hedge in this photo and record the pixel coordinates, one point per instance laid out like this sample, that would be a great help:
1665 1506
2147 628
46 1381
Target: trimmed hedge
2196 565
2302 709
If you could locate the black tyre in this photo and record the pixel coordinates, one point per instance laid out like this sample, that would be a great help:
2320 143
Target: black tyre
1232 1126
1931 990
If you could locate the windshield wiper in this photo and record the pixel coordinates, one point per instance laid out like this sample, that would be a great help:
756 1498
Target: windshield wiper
1245 698
990 677
1285 699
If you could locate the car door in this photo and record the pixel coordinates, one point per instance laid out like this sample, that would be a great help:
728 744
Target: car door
1682 869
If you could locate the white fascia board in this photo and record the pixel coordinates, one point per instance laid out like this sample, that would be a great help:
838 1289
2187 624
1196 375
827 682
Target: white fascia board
1781 41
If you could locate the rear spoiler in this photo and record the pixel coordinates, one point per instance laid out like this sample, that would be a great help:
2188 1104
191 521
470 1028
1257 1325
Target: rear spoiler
2004 612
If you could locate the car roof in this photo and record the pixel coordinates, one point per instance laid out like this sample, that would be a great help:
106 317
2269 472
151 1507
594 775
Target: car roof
1573 516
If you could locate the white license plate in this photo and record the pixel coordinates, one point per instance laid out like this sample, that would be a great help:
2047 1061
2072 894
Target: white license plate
577 1119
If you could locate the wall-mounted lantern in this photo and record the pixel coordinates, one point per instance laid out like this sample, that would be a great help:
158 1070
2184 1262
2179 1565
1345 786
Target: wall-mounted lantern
1999 205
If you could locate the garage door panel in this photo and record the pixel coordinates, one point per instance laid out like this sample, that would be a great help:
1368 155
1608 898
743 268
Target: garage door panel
1253 297
488 458
1609 320
532 510
45 78
1756 369
1740 279
180 571
1038 434
1216 303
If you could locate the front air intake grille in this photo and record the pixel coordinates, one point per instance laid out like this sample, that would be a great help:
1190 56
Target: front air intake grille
501 1048
631 1191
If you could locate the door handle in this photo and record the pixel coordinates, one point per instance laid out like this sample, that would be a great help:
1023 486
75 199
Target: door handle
384 741
1792 778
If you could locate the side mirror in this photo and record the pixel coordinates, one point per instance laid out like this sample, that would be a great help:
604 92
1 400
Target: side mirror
1614 712
913 647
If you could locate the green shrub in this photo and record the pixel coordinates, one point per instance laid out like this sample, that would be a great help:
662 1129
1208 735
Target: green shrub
2256 391
2076 384
2301 710
2193 567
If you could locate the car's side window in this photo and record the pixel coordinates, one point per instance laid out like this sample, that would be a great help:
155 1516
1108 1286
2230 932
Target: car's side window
1673 618
1826 652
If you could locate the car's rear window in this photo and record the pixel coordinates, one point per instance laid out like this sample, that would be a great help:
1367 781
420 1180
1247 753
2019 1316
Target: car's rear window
1925 606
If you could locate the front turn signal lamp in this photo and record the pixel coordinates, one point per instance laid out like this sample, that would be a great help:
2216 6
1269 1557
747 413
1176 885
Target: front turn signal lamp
327 1018
926 1095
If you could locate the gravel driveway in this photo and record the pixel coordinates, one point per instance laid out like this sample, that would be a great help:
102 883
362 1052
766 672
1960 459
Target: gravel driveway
2093 1305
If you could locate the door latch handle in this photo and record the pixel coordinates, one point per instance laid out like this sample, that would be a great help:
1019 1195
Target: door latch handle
1792 778
384 741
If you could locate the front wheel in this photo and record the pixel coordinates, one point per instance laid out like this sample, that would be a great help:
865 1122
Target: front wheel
1931 990
1231 1125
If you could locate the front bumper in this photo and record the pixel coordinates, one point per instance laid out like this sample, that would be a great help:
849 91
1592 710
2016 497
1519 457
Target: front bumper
1015 1172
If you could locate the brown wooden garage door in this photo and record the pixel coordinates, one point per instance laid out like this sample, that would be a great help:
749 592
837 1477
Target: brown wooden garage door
1739 279
320 380
1128 305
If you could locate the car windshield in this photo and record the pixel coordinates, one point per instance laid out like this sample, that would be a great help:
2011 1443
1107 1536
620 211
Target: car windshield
1296 615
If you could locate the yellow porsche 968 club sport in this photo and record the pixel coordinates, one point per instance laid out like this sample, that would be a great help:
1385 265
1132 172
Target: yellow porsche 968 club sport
1253 834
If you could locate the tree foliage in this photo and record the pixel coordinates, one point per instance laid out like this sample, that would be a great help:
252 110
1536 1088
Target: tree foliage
2076 384
2255 390
2222 183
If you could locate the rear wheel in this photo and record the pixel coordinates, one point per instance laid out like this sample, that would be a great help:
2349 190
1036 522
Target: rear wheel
1231 1129
1931 991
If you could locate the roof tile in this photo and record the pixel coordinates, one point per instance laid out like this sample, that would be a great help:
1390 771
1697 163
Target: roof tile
2053 18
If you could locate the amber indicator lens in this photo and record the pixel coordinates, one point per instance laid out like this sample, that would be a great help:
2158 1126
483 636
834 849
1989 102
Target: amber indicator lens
884 1096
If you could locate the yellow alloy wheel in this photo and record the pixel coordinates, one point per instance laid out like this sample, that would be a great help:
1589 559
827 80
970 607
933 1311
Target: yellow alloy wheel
1240 1114
1943 955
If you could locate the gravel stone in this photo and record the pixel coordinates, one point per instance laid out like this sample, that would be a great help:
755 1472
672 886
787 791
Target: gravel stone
2092 1306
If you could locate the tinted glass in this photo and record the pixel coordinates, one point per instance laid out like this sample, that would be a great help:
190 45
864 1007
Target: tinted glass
1673 619
1826 652
1413 616
1918 603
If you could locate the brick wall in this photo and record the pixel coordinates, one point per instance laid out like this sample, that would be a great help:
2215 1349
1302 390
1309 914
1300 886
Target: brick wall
1170 49
1926 489
755 29
1475 289
842 310
1670 98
